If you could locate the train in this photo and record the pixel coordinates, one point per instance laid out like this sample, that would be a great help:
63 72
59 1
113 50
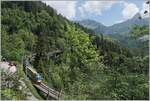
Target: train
33 75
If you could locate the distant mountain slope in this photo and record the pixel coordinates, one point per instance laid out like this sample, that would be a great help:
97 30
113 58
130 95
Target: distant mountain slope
81 59
91 24
116 28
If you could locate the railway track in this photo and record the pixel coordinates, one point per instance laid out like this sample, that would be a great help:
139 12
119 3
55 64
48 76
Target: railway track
48 91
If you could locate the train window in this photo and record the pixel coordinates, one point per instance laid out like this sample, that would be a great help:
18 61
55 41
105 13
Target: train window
38 77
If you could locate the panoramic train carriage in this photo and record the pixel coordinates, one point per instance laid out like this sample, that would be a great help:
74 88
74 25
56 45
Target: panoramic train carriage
32 74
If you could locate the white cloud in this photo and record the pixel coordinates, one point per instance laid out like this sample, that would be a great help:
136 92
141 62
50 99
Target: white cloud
66 8
129 10
96 7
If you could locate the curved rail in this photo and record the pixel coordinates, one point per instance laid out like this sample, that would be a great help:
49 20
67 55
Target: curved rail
48 91
42 87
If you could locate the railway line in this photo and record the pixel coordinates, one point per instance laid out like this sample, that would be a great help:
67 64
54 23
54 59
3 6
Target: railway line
36 78
48 92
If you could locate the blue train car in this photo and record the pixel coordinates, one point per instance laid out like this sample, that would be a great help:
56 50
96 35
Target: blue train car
33 75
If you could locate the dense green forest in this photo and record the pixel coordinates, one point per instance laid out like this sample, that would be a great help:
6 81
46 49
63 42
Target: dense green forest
90 66
136 39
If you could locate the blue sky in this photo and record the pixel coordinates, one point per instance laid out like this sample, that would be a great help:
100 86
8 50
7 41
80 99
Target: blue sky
106 12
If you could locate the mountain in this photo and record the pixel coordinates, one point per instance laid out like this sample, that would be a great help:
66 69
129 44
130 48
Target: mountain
69 57
123 27
91 24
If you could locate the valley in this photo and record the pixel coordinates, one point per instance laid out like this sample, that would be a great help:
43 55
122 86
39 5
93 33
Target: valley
83 60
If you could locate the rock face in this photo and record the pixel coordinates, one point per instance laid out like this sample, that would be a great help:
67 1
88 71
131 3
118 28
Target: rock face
6 67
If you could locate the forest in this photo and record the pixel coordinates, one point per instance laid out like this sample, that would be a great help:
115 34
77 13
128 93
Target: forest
90 66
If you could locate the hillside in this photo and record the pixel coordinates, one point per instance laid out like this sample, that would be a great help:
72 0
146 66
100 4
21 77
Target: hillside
88 66
118 28
91 24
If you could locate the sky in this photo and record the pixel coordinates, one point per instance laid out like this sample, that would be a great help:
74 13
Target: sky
107 12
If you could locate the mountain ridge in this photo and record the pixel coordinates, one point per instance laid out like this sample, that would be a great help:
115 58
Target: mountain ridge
122 27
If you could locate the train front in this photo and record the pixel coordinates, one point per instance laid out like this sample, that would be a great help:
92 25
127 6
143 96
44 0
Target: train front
38 78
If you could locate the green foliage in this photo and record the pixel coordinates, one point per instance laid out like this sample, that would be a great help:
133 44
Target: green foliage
14 48
136 40
139 31
12 88
88 66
